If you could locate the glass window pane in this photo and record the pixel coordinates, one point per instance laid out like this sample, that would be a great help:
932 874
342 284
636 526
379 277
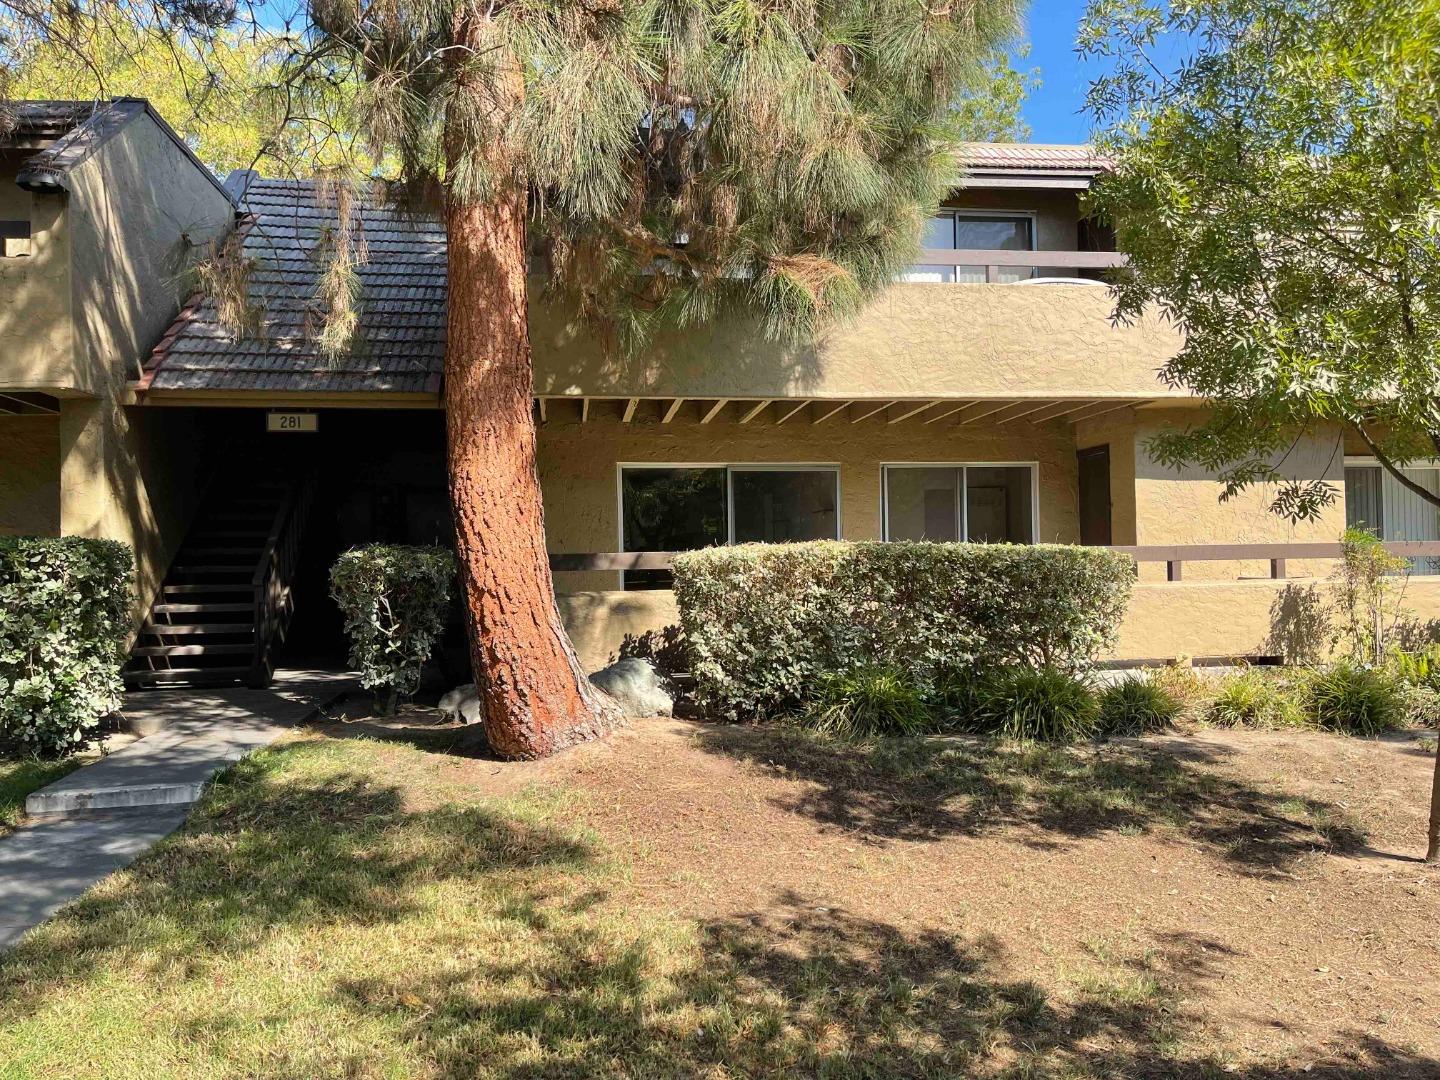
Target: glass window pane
1362 500
922 504
932 274
670 510
1002 233
774 505
939 232
998 505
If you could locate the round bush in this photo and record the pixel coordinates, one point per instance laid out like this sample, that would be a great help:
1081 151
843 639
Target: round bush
1043 704
1355 700
66 603
866 702
394 600
1136 706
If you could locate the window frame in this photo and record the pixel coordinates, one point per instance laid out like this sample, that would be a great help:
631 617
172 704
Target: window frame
730 468
964 500
1033 216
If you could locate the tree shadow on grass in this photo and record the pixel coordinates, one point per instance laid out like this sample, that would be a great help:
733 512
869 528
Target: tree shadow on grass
804 991
932 788
269 850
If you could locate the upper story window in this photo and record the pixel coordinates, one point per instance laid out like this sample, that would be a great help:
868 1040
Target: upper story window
964 230
14 238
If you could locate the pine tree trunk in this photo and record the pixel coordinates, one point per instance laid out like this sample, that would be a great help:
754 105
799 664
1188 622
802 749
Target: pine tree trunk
1432 848
535 697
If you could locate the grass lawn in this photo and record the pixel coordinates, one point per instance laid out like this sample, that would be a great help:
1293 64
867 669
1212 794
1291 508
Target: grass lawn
717 902
19 777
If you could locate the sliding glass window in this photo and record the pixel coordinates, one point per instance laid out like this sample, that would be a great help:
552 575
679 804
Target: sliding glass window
952 230
681 508
980 503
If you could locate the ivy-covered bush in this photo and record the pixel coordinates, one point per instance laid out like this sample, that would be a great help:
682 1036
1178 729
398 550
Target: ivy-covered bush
64 614
767 623
394 599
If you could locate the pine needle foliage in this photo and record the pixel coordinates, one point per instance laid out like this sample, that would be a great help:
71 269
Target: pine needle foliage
683 159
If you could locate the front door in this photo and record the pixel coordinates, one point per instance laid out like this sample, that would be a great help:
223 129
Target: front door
1094 472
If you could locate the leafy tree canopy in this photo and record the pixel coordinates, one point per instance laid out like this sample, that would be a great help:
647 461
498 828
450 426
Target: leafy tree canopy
1279 197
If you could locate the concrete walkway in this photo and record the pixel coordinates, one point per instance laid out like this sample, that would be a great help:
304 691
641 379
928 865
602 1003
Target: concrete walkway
98 819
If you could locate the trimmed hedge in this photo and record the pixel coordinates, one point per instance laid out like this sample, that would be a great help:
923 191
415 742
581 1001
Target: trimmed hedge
66 604
394 598
767 623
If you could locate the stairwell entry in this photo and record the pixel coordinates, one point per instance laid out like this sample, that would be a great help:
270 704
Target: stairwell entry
227 600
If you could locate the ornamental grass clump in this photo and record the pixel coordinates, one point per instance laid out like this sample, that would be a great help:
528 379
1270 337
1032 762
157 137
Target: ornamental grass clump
394 599
1041 704
1137 706
1250 699
66 604
1352 699
767 623
870 701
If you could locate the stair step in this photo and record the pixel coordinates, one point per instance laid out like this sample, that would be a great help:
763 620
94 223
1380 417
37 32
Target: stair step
216 587
208 568
228 536
192 650
165 629
215 676
251 550
179 609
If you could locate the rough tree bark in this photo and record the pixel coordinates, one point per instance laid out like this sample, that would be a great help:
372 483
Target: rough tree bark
535 696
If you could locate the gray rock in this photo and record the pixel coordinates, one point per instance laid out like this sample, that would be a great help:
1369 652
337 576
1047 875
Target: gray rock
637 686
462 704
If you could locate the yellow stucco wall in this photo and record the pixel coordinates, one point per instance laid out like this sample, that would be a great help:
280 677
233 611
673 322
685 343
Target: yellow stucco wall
913 341
1184 506
36 329
578 468
29 475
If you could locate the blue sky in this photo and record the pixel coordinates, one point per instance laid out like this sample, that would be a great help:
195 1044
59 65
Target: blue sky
1054 111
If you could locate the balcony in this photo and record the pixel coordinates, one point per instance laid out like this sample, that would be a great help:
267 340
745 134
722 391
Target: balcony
993 266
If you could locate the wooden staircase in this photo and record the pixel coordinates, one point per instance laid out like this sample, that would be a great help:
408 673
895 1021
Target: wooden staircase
226 601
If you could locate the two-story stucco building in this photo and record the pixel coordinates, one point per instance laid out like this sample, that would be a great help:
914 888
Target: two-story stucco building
988 395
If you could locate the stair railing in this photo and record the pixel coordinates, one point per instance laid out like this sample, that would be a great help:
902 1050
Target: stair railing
274 575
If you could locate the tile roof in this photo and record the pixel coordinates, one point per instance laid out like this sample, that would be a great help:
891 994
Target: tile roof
46 119
1050 157
399 346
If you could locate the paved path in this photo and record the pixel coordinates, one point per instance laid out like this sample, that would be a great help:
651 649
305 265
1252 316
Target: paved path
98 819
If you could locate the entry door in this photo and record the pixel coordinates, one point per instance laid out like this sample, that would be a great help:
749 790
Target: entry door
1095 495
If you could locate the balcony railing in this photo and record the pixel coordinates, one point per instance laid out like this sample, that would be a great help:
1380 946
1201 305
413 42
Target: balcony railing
995 261
1174 556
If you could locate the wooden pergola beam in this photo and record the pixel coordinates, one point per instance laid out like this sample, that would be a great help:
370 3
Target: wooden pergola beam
714 410
955 406
1104 408
630 406
1062 408
671 410
987 408
754 411
584 409
827 415
915 411
871 412
1033 408
787 415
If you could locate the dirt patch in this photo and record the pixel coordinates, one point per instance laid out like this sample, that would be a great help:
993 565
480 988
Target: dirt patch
1258 895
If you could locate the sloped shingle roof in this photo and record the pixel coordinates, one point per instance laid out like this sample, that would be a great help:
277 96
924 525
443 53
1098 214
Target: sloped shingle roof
399 346
1050 157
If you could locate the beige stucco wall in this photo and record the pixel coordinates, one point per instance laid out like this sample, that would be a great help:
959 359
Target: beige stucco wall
107 276
36 338
913 341
1117 430
1184 506
578 468
29 475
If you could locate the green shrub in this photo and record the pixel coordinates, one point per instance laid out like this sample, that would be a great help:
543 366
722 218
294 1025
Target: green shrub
766 623
1136 706
1044 704
867 701
66 604
1251 699
1354 700
394 600
1191 690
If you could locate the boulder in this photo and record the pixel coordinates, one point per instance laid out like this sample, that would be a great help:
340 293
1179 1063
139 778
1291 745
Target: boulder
637 686
462 704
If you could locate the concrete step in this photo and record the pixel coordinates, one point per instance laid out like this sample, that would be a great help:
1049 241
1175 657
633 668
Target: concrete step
191 676
228 648
166 629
